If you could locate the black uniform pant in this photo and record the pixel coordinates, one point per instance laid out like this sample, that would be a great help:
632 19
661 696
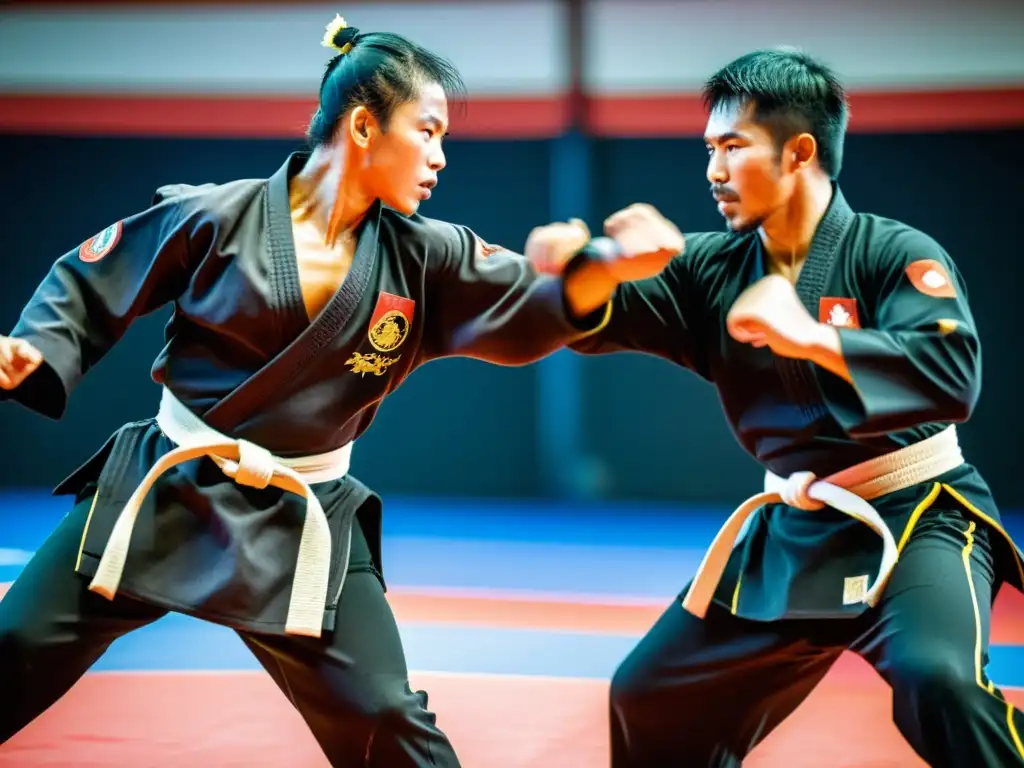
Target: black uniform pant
701 693
351 687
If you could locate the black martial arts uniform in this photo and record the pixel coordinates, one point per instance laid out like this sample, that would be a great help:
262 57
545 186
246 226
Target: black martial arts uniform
704 692
243 354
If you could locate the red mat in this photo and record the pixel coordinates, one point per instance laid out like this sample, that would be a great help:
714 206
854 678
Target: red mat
495 722
241 719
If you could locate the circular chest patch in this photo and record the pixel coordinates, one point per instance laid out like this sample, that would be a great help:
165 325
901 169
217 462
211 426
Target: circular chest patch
389 331
97 247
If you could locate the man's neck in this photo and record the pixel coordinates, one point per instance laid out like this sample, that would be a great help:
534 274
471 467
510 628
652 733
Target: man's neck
323 195
787 234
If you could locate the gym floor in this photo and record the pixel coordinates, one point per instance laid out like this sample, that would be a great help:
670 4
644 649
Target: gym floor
514 618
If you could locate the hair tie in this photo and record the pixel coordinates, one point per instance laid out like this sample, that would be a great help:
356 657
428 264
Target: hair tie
339 29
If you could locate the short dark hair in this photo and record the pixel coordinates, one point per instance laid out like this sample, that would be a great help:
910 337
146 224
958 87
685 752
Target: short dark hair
790 93
379 70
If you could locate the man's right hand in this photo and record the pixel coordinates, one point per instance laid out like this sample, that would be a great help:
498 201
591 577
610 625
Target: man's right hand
648 241
644 243
549 247
18 360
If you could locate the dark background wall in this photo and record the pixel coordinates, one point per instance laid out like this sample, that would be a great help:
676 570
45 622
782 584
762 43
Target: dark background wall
651 431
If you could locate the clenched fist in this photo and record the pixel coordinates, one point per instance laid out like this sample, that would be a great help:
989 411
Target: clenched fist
648 242
551 246
769 314
639 244
18 359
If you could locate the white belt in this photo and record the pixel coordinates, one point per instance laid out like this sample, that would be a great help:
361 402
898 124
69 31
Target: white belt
251 465
848 491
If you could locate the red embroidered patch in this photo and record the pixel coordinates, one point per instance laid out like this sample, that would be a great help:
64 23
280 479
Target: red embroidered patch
931 278
840 313
95 248
483 249
391 321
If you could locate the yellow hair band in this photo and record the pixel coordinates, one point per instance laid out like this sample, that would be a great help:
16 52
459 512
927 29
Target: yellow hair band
332 31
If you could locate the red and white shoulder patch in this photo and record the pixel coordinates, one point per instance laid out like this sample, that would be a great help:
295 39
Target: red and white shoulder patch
100 245
484 248
931 278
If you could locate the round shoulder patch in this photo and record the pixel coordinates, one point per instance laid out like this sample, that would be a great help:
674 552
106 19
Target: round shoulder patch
931 278
95 248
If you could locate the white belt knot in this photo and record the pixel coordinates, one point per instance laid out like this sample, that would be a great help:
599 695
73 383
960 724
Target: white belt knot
255 466
250 465
848 491
796 491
